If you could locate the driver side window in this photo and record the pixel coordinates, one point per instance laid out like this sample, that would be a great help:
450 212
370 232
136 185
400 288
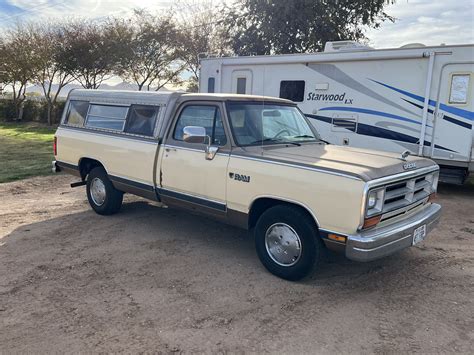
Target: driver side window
208 117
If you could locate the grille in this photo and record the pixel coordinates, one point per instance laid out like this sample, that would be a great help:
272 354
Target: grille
402 196
406 195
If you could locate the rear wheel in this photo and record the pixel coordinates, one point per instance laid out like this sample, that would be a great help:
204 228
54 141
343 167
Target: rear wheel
103 197
287 242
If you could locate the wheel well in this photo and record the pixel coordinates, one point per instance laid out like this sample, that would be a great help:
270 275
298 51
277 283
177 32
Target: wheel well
86 165
260 205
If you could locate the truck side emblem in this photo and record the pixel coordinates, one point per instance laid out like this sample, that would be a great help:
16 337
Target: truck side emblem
404 155
411 165
239 177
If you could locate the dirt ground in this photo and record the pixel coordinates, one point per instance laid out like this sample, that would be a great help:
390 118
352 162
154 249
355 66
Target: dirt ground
161 280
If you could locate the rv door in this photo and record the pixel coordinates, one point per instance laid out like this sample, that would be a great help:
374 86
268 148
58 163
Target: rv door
454 114
242 81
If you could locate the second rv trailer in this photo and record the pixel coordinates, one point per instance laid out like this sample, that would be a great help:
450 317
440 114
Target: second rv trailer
412 98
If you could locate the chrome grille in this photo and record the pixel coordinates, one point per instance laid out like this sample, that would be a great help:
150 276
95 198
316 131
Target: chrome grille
402 196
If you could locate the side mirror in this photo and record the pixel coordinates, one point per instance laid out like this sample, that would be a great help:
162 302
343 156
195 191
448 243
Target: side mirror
194 134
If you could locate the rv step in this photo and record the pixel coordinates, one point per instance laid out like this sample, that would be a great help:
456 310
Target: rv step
455 176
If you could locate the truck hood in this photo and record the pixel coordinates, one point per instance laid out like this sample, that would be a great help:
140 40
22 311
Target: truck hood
363 163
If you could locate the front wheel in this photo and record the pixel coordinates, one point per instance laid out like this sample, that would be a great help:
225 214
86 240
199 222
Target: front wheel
287 242
103 197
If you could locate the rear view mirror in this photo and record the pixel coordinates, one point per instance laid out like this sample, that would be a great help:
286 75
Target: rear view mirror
194 134
271 113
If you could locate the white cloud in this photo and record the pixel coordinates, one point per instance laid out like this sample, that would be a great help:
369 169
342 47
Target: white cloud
424 21
431 22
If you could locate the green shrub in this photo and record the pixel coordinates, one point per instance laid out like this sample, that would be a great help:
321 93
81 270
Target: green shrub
33 110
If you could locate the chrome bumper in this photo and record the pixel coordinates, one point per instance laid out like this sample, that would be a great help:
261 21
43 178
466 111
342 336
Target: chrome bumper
379 242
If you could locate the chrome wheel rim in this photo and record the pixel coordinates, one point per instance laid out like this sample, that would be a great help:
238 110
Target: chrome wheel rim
283 244
98 191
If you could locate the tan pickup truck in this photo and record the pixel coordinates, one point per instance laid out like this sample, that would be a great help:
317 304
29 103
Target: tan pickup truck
254 162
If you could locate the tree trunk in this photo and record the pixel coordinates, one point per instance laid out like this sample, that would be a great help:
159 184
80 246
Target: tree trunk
20 112
49 109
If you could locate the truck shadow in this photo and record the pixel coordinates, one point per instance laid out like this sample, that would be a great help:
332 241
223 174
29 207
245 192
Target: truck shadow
144 239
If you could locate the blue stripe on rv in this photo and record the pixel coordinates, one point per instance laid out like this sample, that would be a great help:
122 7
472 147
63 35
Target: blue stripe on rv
445 117
454 110
370 112
378 132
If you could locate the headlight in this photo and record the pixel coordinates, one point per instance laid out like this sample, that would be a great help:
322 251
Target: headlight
372 200
375 202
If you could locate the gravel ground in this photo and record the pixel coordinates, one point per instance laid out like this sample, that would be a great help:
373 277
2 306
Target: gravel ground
160 280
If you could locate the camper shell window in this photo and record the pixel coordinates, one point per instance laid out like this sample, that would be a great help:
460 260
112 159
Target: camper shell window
107 117
141 120
77 113
292 90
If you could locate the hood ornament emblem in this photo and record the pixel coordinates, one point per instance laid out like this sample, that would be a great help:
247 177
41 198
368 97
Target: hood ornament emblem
407 165
404 155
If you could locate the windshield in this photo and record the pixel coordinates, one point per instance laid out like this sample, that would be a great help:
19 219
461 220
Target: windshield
259 123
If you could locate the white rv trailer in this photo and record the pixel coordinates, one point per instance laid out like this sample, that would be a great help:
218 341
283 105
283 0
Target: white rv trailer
414 98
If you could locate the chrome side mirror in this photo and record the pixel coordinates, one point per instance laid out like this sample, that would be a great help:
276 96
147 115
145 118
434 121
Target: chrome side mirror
194 134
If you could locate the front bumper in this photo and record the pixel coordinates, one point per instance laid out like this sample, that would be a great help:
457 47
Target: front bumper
379 242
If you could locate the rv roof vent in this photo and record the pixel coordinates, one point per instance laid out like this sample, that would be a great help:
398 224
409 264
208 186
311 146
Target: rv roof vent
413 45
345 46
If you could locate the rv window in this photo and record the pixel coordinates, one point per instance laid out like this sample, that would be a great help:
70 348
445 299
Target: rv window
107 117
241 84
459 89
208 117
141 120
77 113
210 85
292 90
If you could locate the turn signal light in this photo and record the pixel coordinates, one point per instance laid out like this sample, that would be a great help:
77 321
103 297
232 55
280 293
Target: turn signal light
337 238
372 221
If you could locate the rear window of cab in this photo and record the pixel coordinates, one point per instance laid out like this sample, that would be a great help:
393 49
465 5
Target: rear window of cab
133 119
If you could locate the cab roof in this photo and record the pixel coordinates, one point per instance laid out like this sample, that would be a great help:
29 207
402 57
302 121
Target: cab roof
234 97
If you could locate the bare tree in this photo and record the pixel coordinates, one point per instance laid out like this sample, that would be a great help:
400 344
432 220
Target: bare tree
201 32
87 52
48 41
150 56
3 68
18 63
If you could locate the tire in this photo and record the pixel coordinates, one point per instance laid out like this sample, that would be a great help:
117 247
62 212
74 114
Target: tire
278 233
103 197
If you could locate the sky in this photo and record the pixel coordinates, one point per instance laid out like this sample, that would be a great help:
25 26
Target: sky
430 22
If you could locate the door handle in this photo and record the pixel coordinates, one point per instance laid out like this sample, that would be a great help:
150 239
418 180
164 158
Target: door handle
170 150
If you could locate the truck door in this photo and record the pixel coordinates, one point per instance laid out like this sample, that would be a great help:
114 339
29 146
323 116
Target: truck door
242 82
454 114
187 178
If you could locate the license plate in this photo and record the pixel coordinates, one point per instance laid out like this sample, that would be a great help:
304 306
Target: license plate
419 234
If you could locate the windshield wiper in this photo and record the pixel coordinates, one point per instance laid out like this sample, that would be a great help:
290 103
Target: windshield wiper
304 136
308 136
260 141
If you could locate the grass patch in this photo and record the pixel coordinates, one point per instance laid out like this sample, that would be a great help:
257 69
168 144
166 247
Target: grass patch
26 149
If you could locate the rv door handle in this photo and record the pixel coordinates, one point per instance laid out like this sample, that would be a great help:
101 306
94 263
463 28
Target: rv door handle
170 150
